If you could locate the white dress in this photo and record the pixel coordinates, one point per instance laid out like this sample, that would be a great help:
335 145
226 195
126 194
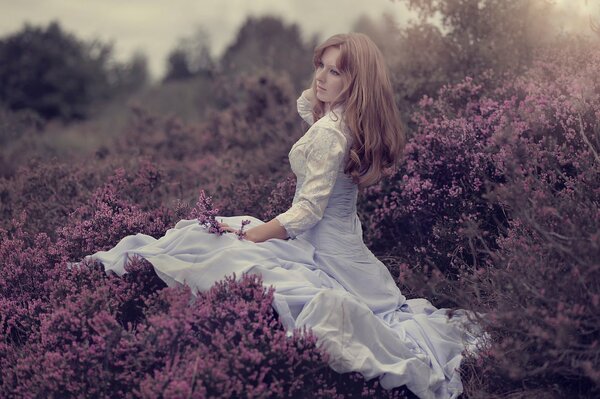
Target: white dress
325 277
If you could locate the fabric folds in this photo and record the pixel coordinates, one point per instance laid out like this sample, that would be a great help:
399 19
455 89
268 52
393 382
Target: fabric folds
325 278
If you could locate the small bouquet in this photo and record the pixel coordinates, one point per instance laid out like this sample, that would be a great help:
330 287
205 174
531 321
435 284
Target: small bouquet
204 212
240 233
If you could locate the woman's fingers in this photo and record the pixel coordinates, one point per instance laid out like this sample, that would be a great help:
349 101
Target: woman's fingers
227 228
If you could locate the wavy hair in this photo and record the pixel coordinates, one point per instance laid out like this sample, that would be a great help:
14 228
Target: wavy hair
370 112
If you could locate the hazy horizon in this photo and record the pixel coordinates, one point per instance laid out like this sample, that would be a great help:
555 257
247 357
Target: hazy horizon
154 27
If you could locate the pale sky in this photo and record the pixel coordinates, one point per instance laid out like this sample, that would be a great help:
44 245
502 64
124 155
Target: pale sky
155 26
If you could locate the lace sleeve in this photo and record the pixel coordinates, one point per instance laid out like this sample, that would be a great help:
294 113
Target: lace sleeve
324 155
305 109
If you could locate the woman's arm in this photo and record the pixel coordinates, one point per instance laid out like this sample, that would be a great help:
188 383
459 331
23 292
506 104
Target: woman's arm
309 94
304 104
324 156
263 232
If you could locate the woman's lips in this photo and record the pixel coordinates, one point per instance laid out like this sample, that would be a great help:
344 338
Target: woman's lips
320 88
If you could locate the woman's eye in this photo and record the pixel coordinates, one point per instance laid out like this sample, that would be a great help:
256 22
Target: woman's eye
334 72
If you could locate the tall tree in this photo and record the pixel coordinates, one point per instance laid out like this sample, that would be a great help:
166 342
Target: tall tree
267 43
52 72
481 34
131 75
451 39
191 57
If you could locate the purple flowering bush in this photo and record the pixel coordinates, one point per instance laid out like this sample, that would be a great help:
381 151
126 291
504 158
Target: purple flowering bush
26 260
442 180
47 191
105 336
236 347
543 282
51 191
74 331
421 217
108 217
494 208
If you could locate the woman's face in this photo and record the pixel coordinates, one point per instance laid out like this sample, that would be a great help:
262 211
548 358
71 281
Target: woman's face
328 77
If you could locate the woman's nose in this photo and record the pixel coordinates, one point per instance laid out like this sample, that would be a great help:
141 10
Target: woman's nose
321 75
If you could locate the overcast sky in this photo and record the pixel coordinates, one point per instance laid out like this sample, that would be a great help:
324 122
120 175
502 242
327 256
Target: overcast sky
154 26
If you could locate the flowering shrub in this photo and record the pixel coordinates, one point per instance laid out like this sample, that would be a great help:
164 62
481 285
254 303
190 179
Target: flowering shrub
47 191
280 198
229 355
108 218
421 217
84 332
225 342
543 281
265 199
543 299
495 209
51 191
35 285
205 214
26 267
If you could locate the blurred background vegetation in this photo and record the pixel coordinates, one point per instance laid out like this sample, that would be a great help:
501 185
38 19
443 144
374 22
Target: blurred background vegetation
63 96
501 108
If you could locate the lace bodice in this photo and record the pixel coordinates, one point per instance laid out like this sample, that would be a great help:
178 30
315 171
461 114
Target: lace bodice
317 160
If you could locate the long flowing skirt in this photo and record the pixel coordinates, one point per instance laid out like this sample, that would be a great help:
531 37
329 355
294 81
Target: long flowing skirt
360 318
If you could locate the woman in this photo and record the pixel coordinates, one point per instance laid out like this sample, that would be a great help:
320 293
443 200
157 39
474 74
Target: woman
324 276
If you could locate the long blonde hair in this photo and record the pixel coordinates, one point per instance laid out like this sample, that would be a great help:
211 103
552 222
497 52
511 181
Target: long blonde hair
370 112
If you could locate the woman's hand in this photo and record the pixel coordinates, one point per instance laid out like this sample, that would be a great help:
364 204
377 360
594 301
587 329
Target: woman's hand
261 232
250 235
227 228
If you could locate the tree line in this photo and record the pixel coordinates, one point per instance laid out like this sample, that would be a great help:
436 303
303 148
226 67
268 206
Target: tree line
57 75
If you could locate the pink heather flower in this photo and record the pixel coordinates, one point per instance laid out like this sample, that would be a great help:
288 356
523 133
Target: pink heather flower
240 233
204 212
